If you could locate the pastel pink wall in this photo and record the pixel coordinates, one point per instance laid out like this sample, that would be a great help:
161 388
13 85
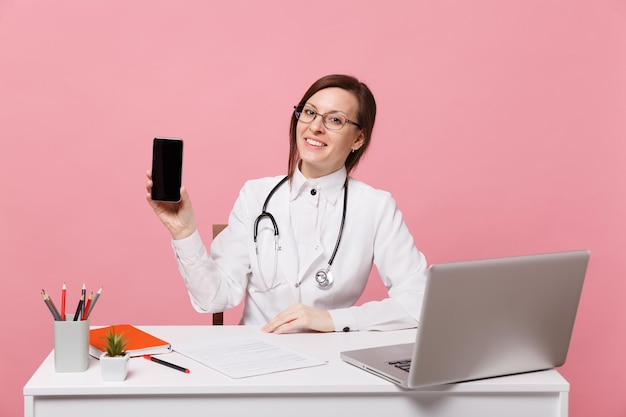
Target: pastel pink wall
500 132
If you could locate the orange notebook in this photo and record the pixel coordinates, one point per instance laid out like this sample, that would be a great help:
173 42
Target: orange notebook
138 342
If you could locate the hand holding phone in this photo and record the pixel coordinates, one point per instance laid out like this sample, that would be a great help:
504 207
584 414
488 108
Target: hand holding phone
167 169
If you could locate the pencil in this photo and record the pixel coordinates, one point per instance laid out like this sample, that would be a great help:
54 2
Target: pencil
50 304
93 303
87 305
83 293
162 362
79 308
63 298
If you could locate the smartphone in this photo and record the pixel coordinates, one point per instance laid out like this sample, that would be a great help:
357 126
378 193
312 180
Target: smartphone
167 169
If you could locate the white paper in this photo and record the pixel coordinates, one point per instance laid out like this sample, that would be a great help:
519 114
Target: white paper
244 357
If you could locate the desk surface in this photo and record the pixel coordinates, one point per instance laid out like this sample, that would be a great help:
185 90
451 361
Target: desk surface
338 379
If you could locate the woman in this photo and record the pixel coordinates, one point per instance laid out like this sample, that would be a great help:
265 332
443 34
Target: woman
300 248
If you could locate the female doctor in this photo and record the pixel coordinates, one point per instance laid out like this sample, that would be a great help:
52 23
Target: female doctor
300 248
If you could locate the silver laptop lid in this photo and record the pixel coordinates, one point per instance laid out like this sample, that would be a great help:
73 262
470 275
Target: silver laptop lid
497 317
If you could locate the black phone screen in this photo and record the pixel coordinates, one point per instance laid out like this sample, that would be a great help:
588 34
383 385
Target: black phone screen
167 169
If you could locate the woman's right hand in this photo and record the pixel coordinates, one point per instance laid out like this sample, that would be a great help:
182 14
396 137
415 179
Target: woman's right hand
179 218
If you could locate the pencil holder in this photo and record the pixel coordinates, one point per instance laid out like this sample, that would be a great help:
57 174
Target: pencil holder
71 345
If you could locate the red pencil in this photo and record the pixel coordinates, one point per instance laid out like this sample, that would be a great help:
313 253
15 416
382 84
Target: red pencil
63 297
86 309
95 300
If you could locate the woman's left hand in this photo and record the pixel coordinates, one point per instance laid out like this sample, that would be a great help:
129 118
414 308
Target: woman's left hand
299 316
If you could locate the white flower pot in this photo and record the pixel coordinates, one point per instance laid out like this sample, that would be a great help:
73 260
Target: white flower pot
114 368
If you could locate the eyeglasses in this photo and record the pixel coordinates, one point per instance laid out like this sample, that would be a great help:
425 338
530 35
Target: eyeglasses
332 120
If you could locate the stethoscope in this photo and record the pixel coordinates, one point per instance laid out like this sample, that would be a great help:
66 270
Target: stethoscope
323 277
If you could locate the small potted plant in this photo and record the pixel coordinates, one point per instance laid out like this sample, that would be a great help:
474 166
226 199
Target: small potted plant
114 362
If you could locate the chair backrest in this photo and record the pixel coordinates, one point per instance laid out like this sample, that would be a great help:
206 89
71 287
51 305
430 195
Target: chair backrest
218 318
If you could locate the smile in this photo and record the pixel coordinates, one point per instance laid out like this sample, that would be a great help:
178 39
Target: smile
314 142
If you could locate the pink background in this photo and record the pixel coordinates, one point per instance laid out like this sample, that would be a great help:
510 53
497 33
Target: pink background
500 132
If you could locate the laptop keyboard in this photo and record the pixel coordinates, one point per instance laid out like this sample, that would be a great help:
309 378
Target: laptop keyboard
404 364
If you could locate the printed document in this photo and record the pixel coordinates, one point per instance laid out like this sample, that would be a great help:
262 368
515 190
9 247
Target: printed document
245 357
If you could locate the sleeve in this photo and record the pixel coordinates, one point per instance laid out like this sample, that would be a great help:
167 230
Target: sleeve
216 281
402 269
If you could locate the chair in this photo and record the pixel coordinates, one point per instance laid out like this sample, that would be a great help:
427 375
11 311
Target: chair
218 318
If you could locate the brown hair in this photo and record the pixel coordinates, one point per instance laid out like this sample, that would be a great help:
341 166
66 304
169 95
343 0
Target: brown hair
366 115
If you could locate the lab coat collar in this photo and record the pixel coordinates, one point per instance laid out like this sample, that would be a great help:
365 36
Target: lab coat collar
330 186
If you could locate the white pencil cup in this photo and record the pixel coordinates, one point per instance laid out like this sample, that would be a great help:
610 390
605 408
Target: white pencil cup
71 345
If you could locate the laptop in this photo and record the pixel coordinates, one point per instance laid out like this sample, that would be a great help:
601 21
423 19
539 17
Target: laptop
486 318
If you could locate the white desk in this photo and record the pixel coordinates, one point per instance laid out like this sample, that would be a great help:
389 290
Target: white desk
334 389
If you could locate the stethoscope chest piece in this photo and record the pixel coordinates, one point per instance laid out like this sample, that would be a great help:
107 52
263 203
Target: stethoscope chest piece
324 279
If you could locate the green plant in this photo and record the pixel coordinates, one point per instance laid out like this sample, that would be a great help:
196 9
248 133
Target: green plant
115 343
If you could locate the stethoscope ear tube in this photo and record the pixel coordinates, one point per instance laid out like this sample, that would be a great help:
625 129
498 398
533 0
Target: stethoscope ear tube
323 277
261 217
265 213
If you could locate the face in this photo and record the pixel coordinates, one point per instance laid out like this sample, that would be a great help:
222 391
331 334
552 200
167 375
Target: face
323 151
